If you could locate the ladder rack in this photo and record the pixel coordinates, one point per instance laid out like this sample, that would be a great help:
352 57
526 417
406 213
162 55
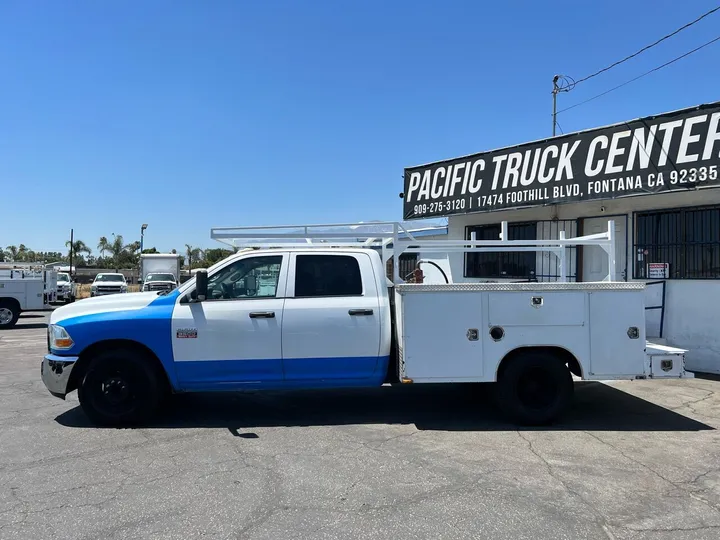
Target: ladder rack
393 239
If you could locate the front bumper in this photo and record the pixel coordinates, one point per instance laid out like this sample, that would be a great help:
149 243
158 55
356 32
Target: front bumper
55 372
105 293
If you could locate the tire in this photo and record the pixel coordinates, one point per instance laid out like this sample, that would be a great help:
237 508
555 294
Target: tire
120 387
534 389
9 314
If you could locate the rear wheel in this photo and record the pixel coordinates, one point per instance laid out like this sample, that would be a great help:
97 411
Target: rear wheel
534 389
9 314
120 387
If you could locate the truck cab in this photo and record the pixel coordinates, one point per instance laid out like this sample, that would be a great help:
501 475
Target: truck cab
257 320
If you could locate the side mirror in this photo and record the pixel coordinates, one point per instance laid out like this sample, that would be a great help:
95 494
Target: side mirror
201 285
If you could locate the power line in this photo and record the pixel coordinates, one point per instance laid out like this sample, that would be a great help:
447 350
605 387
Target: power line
646 47
643 75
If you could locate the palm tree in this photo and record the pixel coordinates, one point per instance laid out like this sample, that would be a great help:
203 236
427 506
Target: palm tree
188 255
78 246
193 254
117 247
13 251
103 246
21 252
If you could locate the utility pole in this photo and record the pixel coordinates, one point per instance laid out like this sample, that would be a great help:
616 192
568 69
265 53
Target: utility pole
561 83
72 246
142 236
555 91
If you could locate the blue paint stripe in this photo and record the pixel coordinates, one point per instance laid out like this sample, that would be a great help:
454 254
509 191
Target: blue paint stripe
278 373
201 372
354 367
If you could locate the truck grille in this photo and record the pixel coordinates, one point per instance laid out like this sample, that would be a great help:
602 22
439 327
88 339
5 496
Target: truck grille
160 286
108 288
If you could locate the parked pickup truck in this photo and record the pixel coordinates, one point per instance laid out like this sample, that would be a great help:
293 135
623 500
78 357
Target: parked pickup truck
323 317
108 284
66 288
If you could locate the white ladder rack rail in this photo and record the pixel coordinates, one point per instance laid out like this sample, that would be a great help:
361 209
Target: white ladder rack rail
403 241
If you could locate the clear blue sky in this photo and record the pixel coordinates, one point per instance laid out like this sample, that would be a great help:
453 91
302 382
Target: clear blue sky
190 114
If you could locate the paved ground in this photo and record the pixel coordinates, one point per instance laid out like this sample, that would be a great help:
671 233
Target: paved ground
640 460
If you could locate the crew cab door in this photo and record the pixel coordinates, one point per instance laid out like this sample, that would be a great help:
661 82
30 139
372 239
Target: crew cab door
331 324
233 338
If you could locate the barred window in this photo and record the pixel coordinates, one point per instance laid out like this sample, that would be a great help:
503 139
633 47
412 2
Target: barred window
687 239
516 265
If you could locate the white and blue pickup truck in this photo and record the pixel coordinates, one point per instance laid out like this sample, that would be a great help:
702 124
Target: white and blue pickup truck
304 318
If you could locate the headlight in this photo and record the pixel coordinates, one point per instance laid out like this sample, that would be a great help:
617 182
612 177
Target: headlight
59 338
93 288
123 287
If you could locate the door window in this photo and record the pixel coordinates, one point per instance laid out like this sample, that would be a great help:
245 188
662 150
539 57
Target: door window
327 275
254 277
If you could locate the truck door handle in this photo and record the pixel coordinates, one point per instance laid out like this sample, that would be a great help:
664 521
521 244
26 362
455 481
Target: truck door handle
262 315
360 312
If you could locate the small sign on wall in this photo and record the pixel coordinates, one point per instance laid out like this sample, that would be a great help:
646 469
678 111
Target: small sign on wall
658 270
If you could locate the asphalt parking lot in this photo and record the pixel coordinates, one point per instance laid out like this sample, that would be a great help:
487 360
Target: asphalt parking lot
633 460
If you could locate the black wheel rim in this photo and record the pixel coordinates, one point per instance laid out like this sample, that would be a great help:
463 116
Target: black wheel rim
6 316
113 393
537 389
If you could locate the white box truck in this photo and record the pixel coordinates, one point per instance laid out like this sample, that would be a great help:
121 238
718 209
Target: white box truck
25 289
159 271
302 315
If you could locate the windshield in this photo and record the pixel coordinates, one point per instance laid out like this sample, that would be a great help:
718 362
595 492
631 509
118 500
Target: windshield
63 277
109 277
160 277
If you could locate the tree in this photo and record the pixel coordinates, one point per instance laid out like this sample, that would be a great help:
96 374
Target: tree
150 250
193 255
78 247
13 250
103 246
214 255
21 252
117 247
133 247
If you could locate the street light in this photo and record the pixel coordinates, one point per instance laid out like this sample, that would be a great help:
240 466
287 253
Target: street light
142 235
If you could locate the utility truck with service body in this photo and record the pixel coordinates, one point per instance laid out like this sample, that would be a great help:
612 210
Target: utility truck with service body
25 288
159 271
312 307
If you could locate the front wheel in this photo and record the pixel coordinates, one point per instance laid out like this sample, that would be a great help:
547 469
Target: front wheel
535 388
120 387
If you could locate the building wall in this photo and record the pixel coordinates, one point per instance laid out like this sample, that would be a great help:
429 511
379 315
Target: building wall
431 274
690 304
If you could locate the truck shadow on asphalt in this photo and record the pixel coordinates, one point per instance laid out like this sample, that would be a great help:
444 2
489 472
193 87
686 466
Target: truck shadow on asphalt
597 407
24 325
